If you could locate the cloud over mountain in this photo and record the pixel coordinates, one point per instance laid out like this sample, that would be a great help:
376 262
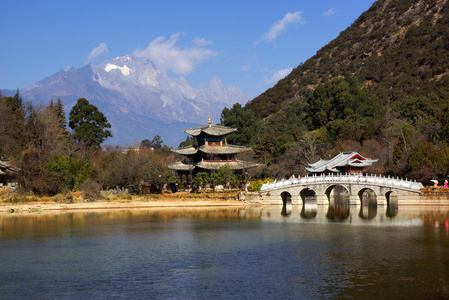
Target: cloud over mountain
97 51
167 56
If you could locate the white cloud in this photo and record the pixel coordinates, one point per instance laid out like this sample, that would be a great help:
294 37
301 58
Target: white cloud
97 51
168 57
330 12
278 76
244 68
201 42
281 25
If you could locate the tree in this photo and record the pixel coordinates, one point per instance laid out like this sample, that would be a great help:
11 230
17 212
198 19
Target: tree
146 143
190 141
13 128
60 113
89 124
156 143
64 172
200 178
223 175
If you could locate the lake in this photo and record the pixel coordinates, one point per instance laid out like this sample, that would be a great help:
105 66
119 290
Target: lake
274 252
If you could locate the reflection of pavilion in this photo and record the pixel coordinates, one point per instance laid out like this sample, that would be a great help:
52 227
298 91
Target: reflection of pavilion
210 151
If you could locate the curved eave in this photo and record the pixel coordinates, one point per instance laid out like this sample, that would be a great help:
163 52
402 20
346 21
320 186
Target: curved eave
234 165
215 130
227 149
180 166
322 169
185 151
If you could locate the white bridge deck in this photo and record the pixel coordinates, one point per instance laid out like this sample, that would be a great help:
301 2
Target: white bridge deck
360 179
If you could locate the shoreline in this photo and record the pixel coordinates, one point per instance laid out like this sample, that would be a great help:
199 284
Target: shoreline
136 202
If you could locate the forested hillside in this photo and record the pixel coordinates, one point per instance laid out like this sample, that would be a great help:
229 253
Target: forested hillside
380 88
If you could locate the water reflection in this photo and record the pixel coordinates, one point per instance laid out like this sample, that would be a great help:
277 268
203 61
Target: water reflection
368 209
338 207
392 210
214 253
338 211
309 210
286 209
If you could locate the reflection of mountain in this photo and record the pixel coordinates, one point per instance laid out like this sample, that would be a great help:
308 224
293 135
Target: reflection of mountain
139 100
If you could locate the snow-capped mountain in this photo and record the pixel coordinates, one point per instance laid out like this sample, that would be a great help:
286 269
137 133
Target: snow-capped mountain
139 100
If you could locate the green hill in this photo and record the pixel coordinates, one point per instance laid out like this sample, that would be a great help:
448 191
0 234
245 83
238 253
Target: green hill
381 88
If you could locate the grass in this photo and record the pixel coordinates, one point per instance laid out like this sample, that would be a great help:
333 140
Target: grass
76 197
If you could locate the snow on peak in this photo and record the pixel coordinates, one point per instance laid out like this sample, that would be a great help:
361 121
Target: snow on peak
125 70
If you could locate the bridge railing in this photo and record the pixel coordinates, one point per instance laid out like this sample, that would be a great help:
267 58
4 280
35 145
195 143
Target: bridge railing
345 178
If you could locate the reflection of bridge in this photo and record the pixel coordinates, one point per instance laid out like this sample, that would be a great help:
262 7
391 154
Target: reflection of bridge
356 186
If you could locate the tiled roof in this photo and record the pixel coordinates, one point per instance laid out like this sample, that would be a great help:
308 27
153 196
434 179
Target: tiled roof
210 129
5 165
213 165
352 159
225 149
234 165
180 166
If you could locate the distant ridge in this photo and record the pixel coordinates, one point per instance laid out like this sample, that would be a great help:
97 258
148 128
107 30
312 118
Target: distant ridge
139 100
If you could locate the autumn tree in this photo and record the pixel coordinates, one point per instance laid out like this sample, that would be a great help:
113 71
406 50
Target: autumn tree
47 139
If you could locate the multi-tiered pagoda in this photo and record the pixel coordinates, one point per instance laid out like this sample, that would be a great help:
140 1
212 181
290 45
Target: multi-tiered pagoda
210 151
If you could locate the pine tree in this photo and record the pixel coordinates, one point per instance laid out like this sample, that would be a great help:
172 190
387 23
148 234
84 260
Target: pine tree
60 113
89 124
13 130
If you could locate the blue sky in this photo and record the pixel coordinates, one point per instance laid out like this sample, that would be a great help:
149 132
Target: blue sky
249 44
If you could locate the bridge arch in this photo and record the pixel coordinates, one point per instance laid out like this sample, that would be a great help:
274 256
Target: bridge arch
335 189
368 201
286 198
366 195
307 195
392 197
392 204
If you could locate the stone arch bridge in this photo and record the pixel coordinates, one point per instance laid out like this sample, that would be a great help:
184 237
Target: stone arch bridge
297 190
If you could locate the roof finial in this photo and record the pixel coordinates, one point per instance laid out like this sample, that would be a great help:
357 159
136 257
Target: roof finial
209 122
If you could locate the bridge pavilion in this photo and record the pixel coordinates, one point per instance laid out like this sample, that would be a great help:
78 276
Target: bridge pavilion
345 162
209 152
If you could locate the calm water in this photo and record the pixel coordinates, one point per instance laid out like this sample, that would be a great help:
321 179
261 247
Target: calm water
254 253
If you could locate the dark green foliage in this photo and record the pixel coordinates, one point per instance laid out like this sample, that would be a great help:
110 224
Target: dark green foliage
146 143
14 136
236 117
89 124
65 173
346 109
60 113
200 178
190 141
156 143
225 175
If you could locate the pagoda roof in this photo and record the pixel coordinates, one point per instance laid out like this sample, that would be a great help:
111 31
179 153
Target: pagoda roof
225 149
213 165
180 166
352 159
210 129
186 150
234 165
5 166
